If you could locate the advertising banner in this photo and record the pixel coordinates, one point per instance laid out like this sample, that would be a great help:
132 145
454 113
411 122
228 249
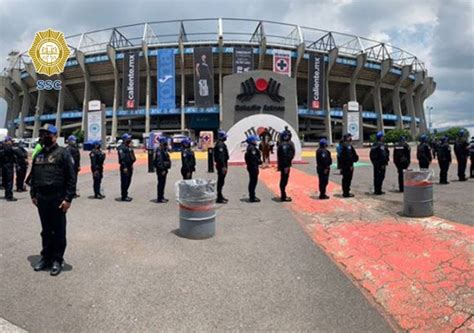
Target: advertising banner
282 62
316 82
242 60
203 77
94 129
131 82
166 79
353 125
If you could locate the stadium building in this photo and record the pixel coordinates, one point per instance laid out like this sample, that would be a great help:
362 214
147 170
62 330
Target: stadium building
205 74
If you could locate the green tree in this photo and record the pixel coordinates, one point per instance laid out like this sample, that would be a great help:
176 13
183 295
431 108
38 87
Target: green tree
79 134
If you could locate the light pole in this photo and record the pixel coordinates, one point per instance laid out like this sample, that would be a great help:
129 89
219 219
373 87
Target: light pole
429 108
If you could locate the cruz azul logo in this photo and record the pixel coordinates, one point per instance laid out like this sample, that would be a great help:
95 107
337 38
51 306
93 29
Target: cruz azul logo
250 88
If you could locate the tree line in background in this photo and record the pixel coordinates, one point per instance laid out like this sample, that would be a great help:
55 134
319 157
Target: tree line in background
393 135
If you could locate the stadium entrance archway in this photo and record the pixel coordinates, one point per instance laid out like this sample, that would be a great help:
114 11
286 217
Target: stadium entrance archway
251 125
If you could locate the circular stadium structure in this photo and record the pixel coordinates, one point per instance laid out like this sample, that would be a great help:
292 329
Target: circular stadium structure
205 74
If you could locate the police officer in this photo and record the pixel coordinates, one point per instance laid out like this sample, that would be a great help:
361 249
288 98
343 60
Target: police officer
162 163
188 160
126 157
402 159
221 157
76 156
97 157
21 167
471 156
53 182
348 158
253 159
461 150
9 157
444 159
285 154
379 156
423 153
323 166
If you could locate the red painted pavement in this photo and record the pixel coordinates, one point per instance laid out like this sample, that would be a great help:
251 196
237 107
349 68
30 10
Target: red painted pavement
420 271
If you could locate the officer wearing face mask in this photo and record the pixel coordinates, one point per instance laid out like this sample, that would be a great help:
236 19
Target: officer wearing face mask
379 156
162 163
97 157
53 185
9 156
126 158
401 158
253 160
221 157
323 166
285 154
423 153
348 158
444 160
76 155
188 161
21 167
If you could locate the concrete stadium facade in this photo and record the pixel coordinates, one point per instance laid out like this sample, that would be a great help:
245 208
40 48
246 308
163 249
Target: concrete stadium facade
390 84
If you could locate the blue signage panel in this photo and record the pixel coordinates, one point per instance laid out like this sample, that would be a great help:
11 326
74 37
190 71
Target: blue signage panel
166 79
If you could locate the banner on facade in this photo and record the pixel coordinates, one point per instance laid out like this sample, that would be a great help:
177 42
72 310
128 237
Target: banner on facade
353 124
203 77
242 60
316 82
166 79
131 80
95 121
282 62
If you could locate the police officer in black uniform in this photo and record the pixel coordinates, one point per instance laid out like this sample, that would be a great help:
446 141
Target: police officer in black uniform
471 156
323 167
162 163
53 182
221 157
423 153
76 156
285 155
253 160
188 160
444 159
402 159
348 158
126 157
97 157
379 156
9 157
21 167
461 150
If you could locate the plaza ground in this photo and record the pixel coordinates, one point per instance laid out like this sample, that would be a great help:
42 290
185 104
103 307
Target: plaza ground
327 266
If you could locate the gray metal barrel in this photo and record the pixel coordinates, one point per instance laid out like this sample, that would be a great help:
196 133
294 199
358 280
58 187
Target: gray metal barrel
418 193
197 210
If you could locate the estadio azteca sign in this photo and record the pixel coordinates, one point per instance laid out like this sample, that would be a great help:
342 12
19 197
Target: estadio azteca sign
251 87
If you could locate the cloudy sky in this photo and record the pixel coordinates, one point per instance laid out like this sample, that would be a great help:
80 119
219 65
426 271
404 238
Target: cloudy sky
440 32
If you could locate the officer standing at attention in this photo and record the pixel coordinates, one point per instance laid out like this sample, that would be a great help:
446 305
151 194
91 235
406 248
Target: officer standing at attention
401 158
348 158
323 166
188 161
285 154
471 156
97 157
21 167
221 157
423 153
461 150
379 156
162 163
76 156
9 157
444 159
53 185
253 160
126 158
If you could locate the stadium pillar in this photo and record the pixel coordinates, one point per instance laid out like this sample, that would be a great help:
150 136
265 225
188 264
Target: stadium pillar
13 103
148 86
183 78
111 54
397 107
25 103
38 112
332 57
85 102
263 46
221 57
59 110
361 59
414 86
425 90
384 70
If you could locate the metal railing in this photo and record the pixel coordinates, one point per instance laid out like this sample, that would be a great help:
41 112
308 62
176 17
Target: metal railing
233 31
